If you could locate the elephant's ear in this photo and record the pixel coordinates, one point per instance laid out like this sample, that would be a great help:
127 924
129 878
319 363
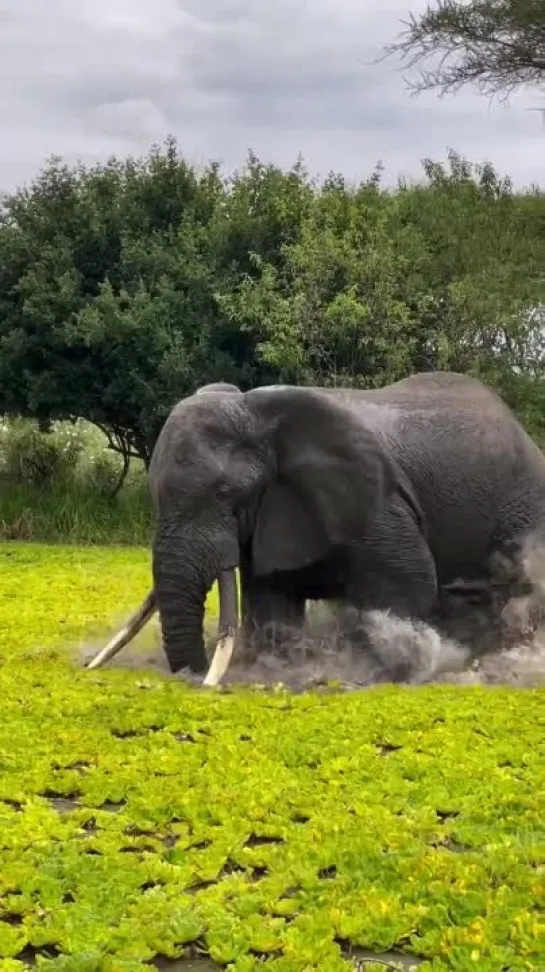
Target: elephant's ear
331 475
287 536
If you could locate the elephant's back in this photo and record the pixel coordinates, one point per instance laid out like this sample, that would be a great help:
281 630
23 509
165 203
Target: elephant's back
436 418
476 473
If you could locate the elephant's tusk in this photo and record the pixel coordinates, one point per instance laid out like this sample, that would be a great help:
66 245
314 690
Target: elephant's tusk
227 589
461 586
131 629
220 661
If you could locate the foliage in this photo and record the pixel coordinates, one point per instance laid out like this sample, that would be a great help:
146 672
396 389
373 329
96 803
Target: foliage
81 515
383 284
37 458
107 287
497 45
125 286
141 818
62 485
60 593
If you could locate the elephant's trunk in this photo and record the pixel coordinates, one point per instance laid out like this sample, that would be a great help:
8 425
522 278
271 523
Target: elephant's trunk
181 591
228 622
181 599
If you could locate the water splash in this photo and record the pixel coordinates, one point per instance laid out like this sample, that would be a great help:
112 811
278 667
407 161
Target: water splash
355 648
491 640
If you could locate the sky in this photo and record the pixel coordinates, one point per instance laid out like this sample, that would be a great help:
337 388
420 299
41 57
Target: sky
85 79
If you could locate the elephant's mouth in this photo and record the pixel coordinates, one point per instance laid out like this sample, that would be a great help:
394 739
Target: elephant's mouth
227 628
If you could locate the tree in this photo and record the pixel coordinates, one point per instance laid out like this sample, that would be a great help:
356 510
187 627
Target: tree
496 45
380 284
110 284
335 309
95 271
125 286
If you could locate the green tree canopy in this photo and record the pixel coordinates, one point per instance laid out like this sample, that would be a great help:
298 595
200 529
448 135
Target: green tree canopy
440 274
125 286
109 280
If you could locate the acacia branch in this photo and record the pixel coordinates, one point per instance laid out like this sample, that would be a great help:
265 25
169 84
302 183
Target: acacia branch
121 442
496 45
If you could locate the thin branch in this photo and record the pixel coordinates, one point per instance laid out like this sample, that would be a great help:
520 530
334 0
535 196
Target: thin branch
119 441
123 474
496 45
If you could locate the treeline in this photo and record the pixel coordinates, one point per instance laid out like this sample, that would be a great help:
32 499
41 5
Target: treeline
125 286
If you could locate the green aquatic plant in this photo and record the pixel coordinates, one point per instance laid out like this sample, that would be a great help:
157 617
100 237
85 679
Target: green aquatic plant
141 818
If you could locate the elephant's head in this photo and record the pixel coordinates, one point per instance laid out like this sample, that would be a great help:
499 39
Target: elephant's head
291 472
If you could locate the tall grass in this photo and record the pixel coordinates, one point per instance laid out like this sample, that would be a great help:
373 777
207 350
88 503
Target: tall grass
75 515
57 488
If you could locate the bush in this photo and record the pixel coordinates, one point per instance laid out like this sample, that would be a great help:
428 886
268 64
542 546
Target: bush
40 458
105 471
58 486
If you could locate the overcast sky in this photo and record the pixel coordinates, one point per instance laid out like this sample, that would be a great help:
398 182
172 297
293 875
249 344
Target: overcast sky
89 78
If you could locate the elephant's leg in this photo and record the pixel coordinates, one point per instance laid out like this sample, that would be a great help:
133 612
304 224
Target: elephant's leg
517 568
504 605
272 618
392 570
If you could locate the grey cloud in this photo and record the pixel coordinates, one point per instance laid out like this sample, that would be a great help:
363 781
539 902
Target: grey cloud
280 76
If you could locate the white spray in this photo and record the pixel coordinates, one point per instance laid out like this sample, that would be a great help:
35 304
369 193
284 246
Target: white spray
477 643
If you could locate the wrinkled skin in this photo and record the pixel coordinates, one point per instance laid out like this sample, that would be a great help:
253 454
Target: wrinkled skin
378 499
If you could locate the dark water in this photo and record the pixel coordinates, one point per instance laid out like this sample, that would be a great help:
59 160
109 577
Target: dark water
185 965
361 959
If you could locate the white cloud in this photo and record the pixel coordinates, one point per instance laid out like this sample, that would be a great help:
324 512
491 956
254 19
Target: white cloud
279 76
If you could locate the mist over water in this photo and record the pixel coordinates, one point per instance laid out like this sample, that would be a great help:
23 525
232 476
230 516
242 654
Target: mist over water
473 641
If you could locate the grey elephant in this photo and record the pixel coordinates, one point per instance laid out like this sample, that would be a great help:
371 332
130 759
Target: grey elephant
376 499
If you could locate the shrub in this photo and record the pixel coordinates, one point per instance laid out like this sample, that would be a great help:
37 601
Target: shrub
104 472
40 458
59 485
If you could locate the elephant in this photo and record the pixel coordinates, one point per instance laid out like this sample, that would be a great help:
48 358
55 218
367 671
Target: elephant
376 499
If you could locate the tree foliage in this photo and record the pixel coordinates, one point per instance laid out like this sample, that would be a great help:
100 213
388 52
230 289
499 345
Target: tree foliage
125 286
495 45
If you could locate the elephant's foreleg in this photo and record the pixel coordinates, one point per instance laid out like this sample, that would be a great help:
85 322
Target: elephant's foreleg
391 570
272 619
